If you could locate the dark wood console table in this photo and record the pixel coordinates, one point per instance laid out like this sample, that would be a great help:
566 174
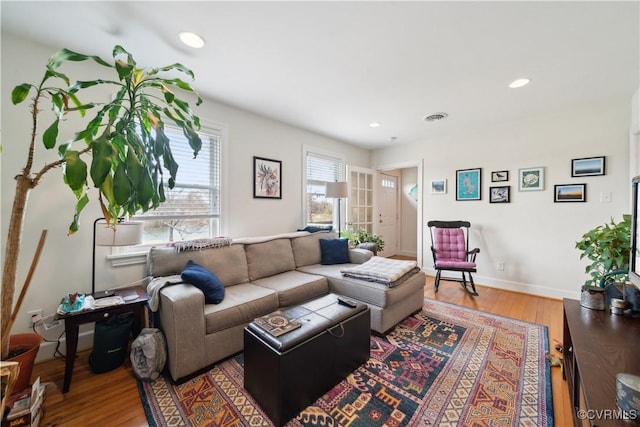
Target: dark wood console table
597 345
72 321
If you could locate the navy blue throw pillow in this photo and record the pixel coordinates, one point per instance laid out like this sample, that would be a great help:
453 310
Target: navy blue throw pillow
315 229
204 280
334 251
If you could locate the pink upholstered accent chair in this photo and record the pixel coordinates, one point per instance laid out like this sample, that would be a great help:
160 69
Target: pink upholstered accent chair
449 246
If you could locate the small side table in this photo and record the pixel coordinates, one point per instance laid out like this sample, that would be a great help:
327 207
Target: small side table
72 322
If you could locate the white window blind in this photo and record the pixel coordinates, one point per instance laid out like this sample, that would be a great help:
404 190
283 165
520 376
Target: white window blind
192 207
320 169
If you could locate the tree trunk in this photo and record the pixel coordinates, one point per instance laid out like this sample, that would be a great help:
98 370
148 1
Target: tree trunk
12 250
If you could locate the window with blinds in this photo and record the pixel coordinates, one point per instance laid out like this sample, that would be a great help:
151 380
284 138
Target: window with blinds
320 169
192 207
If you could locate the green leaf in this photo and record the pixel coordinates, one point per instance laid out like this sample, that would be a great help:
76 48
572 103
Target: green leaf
119 50
121 185
124 70
177 66
50 135
80 204
68 55
107 190
52 73
75 170
145 190
101 159
57 103
20 93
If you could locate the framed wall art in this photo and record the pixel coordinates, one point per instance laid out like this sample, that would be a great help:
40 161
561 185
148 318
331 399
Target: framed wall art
267 178
499 176
439 186
531 179
570 193
499 194
590 166
468 184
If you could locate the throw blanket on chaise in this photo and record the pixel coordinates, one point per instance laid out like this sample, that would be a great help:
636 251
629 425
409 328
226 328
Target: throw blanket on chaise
387 271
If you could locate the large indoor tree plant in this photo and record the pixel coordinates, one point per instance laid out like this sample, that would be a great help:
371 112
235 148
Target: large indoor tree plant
608 247
123 149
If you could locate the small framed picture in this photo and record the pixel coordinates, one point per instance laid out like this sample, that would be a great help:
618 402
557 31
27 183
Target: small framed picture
439 186
531 179
499 176
499 194
468 184
267 178
570 193
590 166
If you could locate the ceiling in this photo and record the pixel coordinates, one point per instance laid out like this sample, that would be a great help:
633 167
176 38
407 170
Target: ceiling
334 67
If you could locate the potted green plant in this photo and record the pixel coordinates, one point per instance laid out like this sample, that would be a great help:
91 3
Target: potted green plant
359 237
122 149
607 247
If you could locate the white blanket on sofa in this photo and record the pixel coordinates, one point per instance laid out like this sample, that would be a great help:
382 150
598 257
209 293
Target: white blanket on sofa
156 284
381 270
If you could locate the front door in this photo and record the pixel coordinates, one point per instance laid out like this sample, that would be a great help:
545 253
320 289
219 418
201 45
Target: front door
388 213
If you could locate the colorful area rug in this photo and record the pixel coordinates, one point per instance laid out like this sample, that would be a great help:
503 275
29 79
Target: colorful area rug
445 366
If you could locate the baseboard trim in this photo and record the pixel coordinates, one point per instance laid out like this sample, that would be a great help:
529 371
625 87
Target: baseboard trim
48 348
525 288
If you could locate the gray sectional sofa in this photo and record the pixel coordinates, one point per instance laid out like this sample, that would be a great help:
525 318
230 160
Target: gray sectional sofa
260 275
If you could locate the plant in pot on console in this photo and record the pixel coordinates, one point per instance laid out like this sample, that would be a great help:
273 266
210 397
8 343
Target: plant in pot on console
360 237
607 247
123 149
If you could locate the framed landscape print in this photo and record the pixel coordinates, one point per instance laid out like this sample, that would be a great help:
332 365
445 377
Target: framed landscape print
570 193
590 166
439 186
499 176
531 179
468 184
267 178
499 194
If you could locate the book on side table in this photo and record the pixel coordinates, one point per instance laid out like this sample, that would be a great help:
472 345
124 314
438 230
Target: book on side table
277 323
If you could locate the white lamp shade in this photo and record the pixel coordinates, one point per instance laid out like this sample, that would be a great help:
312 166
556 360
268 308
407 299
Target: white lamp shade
122 234
336 190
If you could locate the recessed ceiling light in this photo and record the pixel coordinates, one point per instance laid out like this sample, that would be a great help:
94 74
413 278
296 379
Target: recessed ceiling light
519 83
375 125
191 39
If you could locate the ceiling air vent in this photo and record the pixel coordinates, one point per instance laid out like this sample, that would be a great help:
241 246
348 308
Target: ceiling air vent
435 117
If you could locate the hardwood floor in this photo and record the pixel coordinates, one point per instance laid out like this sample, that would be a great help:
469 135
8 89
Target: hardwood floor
112 399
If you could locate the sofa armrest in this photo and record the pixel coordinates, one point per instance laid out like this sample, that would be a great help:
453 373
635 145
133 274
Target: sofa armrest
183 323
358 256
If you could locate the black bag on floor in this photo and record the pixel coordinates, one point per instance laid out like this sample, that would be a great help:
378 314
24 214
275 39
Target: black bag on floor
110 342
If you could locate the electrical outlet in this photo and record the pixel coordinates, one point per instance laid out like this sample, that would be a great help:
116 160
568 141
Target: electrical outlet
35 316
500 266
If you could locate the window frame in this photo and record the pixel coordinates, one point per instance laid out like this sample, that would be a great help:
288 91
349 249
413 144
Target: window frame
320 153
121 256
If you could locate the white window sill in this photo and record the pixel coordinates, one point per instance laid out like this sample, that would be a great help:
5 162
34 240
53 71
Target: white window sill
127 259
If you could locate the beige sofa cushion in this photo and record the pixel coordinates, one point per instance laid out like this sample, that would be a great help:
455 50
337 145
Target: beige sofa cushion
228 263
306 249
241 304
294 287
269 258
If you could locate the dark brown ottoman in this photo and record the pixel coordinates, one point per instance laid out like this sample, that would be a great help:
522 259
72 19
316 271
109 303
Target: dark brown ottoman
286 374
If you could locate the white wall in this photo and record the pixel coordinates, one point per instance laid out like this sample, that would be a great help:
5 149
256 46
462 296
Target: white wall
533 236
408 213
65 265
